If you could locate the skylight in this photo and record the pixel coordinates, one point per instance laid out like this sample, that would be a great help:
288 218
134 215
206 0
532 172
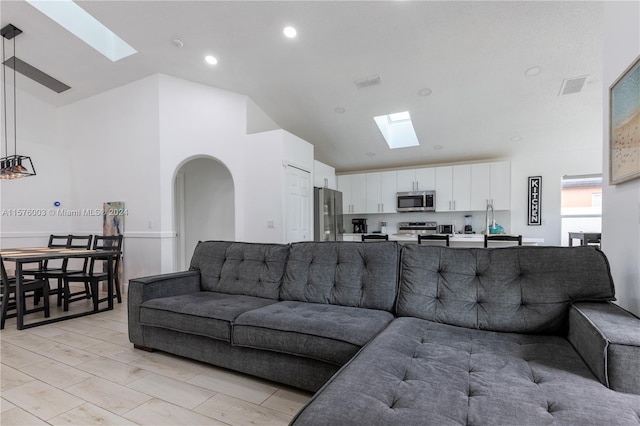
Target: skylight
84 26
397 130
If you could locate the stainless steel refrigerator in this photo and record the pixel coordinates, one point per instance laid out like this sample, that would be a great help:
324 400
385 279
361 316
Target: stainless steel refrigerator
327 217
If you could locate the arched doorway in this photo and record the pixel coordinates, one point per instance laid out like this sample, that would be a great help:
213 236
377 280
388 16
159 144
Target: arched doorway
204 206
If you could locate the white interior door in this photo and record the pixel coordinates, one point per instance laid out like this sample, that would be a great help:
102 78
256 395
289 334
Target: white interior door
298 205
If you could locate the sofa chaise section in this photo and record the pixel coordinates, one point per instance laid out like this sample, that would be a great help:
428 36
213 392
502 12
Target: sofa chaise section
423 373
481 338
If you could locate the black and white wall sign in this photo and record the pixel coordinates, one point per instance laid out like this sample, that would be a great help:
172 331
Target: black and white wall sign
534 215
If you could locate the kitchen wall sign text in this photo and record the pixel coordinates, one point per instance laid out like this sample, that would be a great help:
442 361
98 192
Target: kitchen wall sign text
534 213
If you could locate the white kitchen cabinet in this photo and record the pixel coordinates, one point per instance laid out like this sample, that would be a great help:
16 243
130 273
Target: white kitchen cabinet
491 183
422 179
453 188
354 193
501 185
381 192
324 176
480 186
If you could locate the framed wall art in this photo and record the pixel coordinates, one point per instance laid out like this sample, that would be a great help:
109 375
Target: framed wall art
624 125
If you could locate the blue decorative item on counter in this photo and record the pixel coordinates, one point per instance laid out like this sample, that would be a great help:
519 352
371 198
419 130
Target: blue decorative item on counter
496 229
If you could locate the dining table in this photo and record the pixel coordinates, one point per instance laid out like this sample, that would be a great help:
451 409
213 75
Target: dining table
26 255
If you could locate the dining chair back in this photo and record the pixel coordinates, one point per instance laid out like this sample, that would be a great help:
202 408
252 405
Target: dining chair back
437 239
511 238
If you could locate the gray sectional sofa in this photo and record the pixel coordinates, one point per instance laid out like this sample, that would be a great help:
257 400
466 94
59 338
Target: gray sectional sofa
412 335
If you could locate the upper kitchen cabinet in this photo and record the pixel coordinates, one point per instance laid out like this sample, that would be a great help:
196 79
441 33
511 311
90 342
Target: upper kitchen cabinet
324 176
491 184
453 188
354 193
423 179
381 192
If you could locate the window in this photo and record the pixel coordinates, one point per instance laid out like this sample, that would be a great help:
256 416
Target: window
581 205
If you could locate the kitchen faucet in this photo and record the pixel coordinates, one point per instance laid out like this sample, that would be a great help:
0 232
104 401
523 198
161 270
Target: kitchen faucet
486 217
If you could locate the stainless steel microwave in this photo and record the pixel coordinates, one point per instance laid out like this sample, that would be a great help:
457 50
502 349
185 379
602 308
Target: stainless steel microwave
416 201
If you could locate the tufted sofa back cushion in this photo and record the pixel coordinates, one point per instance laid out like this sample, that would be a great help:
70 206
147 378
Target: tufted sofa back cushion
251 269
343 273
519 289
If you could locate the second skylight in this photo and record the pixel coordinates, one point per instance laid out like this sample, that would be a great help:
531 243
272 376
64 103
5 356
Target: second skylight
397 129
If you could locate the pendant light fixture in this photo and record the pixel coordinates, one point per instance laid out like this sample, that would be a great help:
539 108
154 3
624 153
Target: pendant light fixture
12 166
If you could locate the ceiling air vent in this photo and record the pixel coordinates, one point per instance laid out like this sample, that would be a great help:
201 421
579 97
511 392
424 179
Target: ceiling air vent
373 80
572 85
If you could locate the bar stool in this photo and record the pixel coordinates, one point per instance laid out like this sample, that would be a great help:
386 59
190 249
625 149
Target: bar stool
512 238
375 237
433 238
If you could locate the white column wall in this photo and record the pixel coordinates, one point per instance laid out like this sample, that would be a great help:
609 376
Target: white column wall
264 170
197 120
621 203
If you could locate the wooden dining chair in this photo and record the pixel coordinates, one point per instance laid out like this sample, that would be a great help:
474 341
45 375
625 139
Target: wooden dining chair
79 242
433 238
375 237
512 238
9 295
96 272
49 266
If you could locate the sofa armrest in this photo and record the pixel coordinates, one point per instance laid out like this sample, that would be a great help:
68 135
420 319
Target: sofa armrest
608 339
153 287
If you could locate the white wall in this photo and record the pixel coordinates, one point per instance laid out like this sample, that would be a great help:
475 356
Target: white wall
113 141
621 203
551 166
37 135
197 120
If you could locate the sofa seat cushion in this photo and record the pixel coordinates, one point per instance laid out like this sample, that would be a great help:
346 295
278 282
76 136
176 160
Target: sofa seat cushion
205 313
328 333
418 372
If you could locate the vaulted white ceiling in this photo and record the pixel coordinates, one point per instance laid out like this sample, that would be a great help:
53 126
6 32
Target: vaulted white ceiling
471 55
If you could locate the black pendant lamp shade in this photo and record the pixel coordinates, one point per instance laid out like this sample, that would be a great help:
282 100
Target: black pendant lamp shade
12 166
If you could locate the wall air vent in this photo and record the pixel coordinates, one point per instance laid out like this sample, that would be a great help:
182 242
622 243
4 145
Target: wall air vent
373 80
572 85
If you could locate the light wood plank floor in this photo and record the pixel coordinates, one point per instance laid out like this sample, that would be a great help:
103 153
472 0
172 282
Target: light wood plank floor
85 371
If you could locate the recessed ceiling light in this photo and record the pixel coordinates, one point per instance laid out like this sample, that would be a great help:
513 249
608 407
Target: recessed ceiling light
211 60
516 139
289 32
339 110
438 147
424 92
533 71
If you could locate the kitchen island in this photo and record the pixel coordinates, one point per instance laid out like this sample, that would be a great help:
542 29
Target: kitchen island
466 240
